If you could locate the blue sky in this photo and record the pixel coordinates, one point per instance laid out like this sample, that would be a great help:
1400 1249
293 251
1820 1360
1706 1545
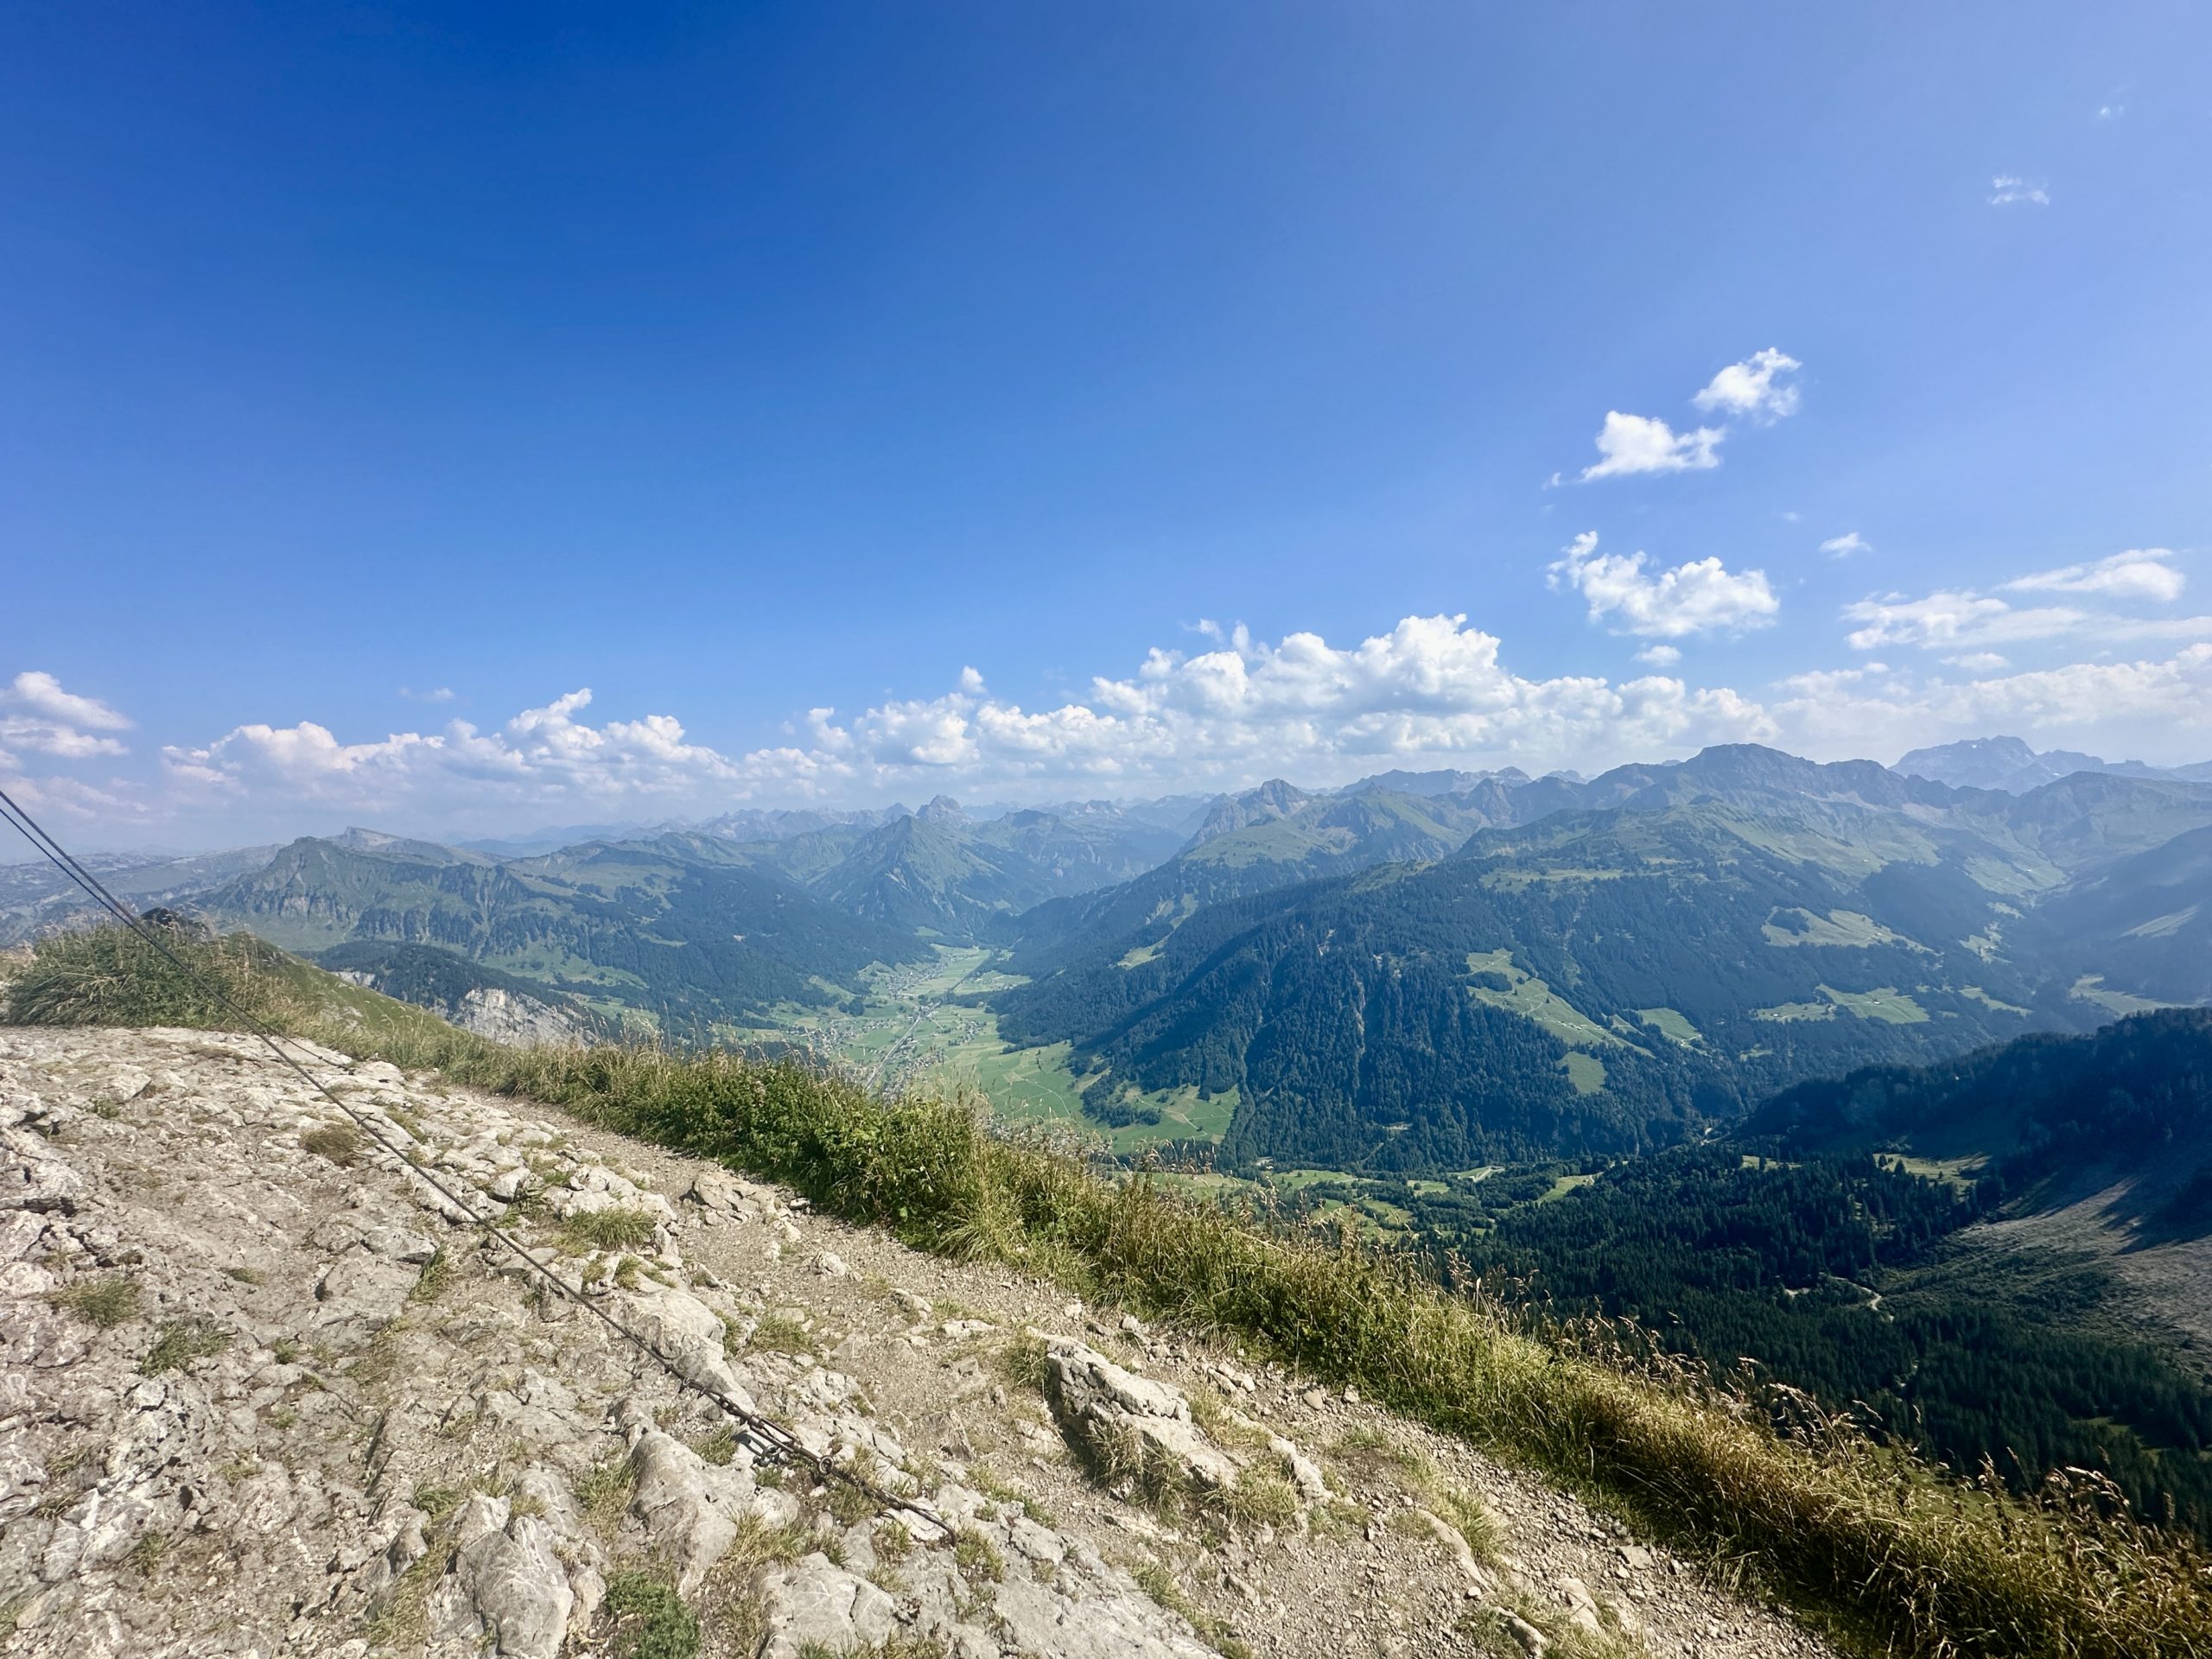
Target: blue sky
975 373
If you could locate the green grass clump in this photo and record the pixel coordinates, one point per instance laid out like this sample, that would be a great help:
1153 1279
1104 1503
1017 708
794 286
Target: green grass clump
780 1333
438 1274
604 1492
613 1229
1859 1535
111 977
183 1341
651 1619
105 1302
339 1142
976 1556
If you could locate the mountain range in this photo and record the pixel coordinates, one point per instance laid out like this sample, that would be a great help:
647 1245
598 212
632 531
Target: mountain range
2008 763
1417 970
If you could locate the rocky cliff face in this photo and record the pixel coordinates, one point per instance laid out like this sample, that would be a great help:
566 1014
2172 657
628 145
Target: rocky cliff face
263 1390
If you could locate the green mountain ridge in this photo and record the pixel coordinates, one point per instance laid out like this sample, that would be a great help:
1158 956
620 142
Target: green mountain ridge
680 929
1604 980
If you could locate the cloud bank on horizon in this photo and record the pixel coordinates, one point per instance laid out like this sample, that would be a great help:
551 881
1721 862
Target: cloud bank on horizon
1433 690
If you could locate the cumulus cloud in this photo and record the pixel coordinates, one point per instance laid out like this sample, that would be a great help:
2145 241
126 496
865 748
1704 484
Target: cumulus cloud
1843 546
2010 190
1752 390
1697 597
2139 573
37 713
1749 387
544 754
1431 690
1967 618
1639 444
1242 708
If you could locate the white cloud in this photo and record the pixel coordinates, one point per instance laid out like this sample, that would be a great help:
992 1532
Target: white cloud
1966 618
2009 189
1630 444
2111 112
42 694
1430 691
1843 546
436 694
1431 688
1748 388
1638 443
37 713
1697 597
2161 707
2139 573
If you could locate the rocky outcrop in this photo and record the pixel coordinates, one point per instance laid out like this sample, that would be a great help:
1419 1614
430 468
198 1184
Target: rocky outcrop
1143 1433
246 1346
265 1390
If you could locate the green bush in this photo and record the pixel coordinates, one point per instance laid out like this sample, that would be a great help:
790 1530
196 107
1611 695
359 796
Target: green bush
651 1620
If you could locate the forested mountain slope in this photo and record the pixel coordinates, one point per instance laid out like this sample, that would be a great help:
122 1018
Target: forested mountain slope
2130 1105
1602 979
939 874
1272 837
679 928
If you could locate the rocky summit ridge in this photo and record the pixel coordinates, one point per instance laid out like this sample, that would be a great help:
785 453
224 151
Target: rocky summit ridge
263 1390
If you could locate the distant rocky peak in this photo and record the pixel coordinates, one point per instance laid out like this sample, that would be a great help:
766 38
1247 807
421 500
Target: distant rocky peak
2006 763
1272 799
358 840
943 809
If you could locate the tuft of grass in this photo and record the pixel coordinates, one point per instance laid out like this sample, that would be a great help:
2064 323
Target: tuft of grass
719 1448
183 1341
1845 1530
111 977
146 1554
1156 1581
849 1504
438 1502
651 1621
1474 1520
341 1143
614 1229
437 1276
1021 1362
105 1302
604 1493
780 1333
1259 1498
977 1556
